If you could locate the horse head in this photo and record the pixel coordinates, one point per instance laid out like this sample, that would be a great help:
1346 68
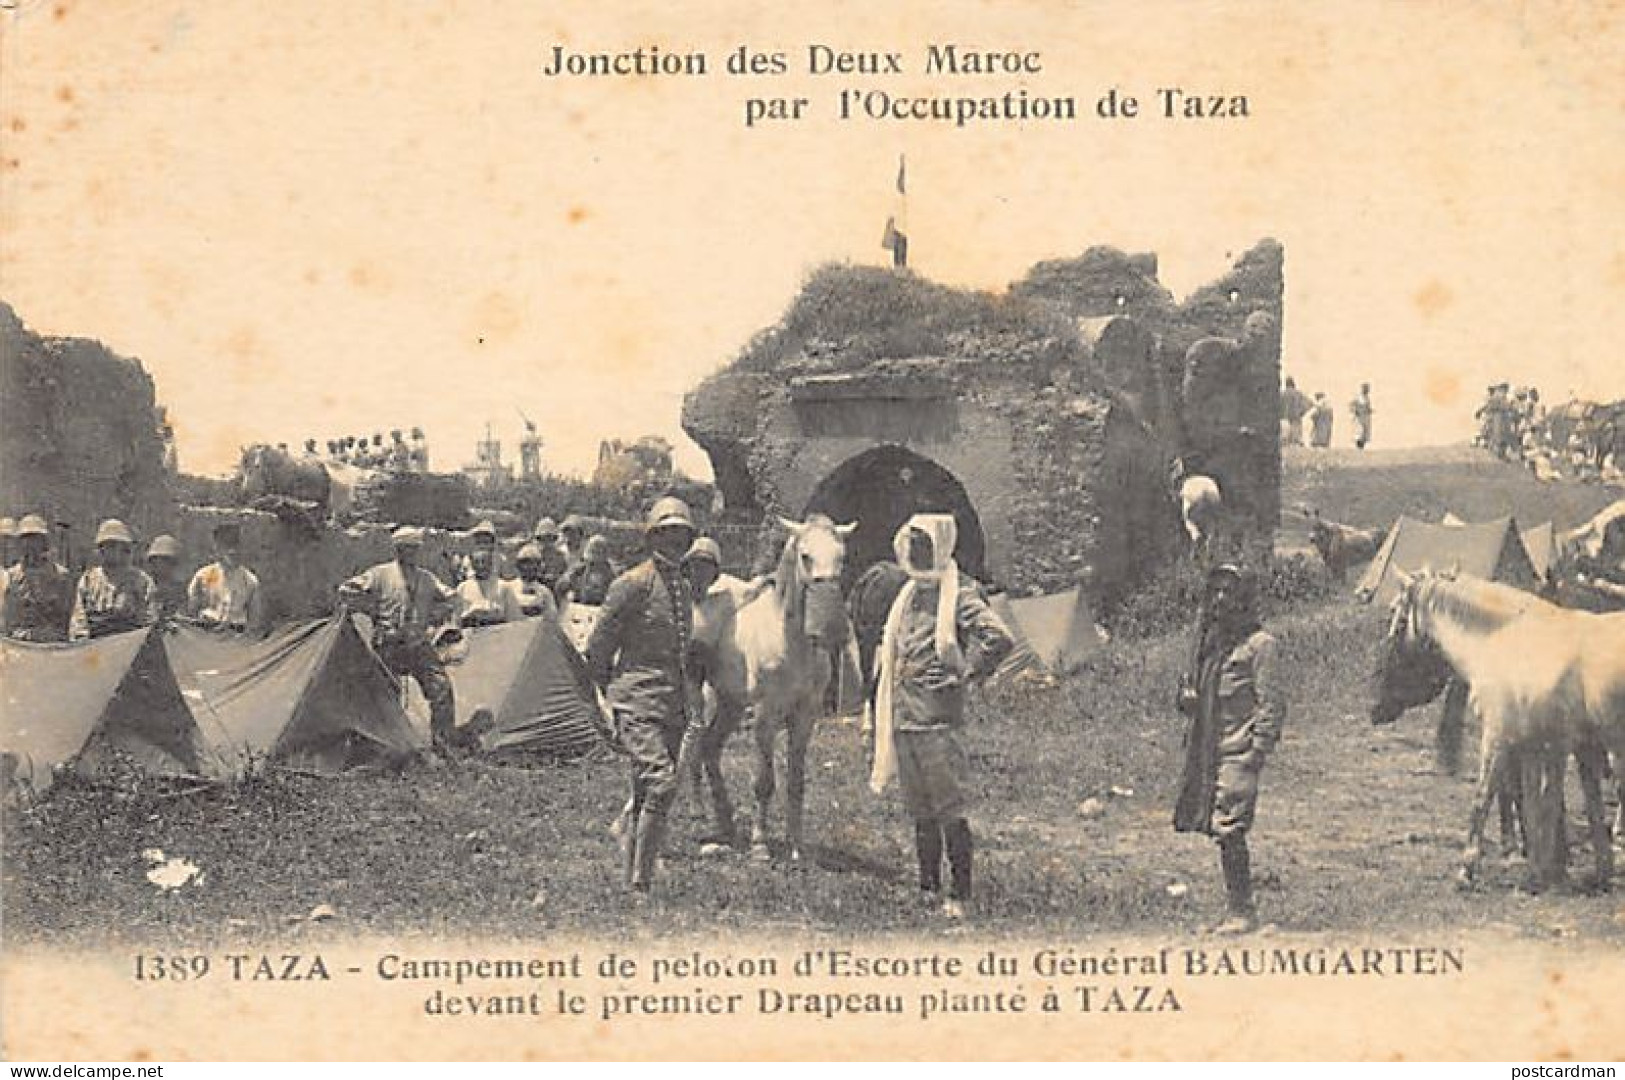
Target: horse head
1411 669
809 577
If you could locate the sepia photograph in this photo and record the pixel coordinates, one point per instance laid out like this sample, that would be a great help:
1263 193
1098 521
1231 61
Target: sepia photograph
1068 530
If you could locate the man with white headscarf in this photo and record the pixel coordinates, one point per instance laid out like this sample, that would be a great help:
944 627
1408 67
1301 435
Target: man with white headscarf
939 634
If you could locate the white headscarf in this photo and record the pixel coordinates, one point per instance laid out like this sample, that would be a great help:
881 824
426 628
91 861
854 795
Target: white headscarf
944 573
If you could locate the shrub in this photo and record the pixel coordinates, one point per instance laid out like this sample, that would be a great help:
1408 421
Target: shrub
851 316
1169 599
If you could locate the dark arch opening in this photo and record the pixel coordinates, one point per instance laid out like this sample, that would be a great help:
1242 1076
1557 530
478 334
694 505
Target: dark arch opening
882 488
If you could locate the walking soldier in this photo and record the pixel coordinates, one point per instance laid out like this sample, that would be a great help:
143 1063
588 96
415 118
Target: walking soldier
637 654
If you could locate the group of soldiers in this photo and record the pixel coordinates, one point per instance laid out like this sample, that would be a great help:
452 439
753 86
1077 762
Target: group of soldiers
41 601
396 455
1298 407
641 653
651 653
1578 439
1510 420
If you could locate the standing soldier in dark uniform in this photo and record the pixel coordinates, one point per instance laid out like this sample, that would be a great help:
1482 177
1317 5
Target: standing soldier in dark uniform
638 655
39 592
1234 703
1361 410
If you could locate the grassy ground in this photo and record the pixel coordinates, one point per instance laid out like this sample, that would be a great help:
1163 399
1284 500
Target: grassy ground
1372 488
1354 833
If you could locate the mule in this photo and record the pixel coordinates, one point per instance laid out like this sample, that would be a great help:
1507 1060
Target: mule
1340 547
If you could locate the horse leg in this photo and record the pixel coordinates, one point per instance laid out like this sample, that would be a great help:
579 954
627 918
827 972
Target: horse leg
766 727
1514 816
1543 767
1592 760
1447 737
795 794
1491 770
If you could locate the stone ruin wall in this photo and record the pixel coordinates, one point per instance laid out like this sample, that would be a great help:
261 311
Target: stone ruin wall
1060 482
1072 464
79 437
1204 373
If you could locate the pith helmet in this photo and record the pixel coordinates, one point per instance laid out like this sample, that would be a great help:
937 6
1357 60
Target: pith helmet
113 531
704 548
546 529
484 528
1243 580
407 535
32 525
669 513
528 553
8 526
164 547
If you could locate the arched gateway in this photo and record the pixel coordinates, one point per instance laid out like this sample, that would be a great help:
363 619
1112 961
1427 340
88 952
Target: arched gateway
882 488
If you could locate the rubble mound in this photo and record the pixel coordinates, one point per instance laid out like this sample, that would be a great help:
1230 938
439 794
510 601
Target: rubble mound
848 317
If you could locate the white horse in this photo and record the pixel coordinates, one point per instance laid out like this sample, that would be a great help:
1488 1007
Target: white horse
786 636
1545 681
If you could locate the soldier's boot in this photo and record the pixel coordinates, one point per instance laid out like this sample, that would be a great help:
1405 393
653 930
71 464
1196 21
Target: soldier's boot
928 846
628 840
1241 917
957 838
651 833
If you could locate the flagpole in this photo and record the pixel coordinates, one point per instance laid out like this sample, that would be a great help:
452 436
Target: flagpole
902 208
895 239
902 191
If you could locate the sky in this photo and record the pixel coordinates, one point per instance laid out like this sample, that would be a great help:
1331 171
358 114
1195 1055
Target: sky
312 219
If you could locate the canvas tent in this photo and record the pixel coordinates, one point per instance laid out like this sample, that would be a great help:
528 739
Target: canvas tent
1492 550
1541 544
1539 541
526 690
1055 632
93 704
312 697
1021 660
